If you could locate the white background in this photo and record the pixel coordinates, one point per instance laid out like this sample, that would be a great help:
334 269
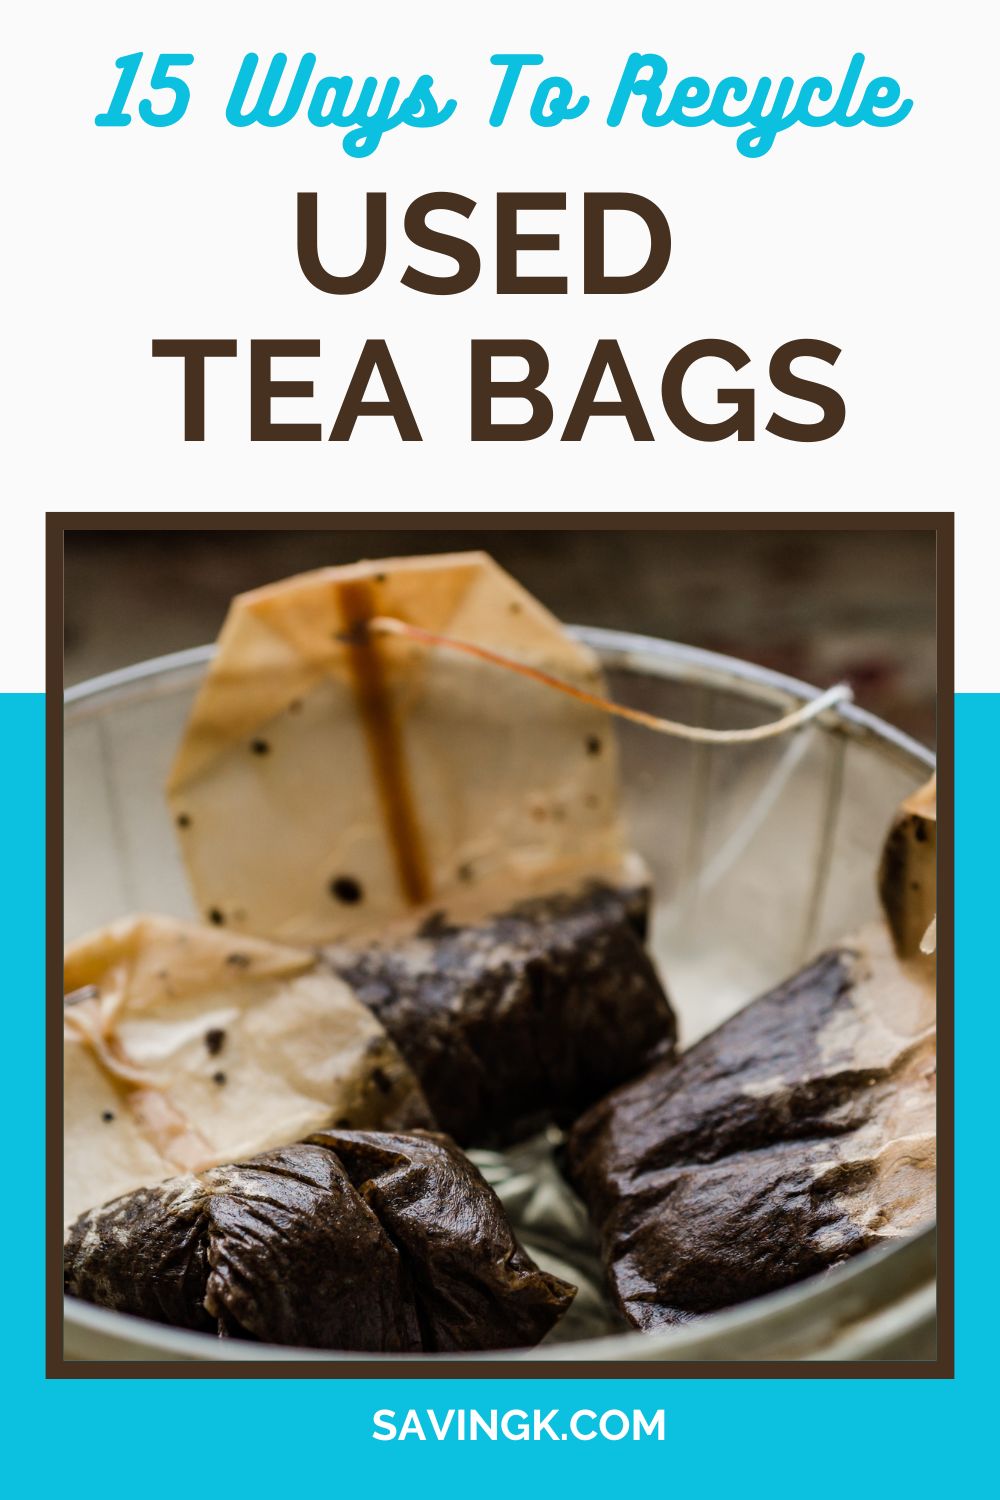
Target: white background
878 241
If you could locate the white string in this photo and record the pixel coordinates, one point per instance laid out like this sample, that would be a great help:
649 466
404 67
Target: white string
841 693
387 625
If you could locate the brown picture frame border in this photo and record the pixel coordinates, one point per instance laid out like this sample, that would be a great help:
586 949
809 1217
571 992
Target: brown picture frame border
942 523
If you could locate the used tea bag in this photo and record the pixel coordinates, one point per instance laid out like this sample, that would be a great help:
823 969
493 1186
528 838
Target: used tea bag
388 1243
907 874
798 1133
446 830
521 1018
333 780
185 1046
279 1248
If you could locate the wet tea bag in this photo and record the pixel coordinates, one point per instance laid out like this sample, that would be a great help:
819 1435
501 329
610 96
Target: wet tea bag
447 830
334 780
520 1018
185 1047
363 1240
797 1134
908 874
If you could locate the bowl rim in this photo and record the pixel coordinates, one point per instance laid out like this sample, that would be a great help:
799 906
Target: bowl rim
835 1304
616 647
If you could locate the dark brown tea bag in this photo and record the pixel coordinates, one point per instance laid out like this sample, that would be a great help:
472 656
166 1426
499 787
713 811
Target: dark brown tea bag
797 1134
515 1020
384 1243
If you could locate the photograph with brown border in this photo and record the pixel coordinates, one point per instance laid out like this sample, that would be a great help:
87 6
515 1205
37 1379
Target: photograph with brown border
500 945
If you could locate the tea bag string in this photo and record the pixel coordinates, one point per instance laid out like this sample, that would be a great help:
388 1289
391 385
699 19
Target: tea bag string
841 693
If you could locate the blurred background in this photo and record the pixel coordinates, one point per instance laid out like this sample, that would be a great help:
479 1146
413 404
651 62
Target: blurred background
820 605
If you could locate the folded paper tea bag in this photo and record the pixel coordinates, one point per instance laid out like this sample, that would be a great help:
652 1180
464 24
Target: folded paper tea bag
446 831
334 780
185 1048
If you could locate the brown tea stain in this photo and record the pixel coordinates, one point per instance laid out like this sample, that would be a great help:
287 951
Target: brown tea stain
384 740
